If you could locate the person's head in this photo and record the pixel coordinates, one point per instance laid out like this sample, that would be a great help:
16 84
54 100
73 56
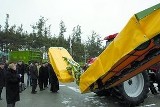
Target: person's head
36 63
20 62
44 64
12 65
1 65
7 62
30 63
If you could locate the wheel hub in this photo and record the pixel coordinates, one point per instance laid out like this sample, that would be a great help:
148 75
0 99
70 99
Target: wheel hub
134 86
130 82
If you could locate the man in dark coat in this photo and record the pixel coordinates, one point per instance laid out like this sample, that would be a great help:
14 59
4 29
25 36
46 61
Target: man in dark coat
20 69
29 80
12 85
34 76
6 65
53 79
46 75
5 70
41 77
2 78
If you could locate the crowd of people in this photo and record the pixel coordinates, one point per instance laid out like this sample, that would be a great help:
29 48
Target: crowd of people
12 77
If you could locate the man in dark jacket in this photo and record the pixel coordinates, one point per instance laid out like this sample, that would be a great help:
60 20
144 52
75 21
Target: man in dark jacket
20 69
41 77
29 80
53 79
2 78
12 85
5 70
34 76
46 75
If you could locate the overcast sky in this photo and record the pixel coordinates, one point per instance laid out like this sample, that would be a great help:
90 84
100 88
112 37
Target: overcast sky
103 16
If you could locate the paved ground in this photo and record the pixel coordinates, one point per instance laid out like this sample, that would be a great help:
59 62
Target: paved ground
69 96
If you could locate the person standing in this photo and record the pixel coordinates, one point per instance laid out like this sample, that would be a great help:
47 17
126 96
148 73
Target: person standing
34 76
46 75
29 80
20 69
41 77
2 78
6 65
53 79
5 70
12 85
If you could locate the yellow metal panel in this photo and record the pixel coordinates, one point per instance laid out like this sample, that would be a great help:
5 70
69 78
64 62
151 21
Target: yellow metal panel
151 24
56 55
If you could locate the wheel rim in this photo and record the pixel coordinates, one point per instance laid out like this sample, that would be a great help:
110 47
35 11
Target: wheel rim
134 86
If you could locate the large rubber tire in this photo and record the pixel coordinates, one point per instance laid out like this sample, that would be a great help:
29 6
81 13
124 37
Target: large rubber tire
133 91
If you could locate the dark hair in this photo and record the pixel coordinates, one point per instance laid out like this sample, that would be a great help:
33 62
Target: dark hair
35 62
11 62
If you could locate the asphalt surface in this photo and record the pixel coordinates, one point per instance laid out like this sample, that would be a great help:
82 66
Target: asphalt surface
67 96
70 96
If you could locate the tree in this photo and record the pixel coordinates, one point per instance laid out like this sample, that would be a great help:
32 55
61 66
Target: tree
61 40
77 46
93 45
62 29
15 38
5 34
77 34
39 34
6 23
